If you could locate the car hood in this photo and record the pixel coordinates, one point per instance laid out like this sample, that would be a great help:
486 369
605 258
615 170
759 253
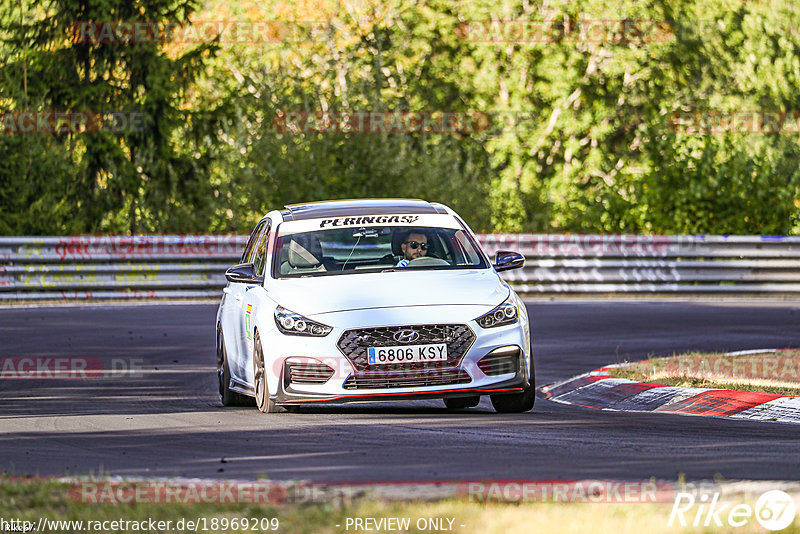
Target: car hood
326 294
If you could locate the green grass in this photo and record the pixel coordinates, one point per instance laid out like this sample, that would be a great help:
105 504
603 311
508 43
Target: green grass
31 499
777 373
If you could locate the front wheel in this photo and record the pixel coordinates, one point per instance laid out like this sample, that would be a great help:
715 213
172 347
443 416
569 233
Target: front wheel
517 402
263 402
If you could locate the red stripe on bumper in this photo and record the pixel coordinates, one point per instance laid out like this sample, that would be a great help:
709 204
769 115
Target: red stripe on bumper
328 399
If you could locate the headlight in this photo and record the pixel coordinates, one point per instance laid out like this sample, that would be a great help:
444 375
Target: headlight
294 324
505 313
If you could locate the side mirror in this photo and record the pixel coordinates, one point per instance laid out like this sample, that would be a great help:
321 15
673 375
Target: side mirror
505 260
244 273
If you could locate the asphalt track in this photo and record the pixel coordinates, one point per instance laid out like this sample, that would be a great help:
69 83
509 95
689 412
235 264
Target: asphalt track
168 422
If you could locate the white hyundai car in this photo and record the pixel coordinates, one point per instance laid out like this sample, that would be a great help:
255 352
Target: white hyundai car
371 300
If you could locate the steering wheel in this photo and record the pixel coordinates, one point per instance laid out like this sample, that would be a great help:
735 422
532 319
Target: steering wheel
427 261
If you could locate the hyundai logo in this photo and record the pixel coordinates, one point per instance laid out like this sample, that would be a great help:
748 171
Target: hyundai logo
406 336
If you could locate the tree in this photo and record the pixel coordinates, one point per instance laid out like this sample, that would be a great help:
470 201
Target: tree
130 167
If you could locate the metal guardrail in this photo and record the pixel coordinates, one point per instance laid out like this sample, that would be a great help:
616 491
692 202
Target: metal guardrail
92 267
652 264
190 266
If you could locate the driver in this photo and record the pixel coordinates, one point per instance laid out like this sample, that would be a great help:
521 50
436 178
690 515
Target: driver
414 246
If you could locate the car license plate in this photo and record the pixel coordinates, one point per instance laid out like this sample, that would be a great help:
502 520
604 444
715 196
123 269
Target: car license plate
407 354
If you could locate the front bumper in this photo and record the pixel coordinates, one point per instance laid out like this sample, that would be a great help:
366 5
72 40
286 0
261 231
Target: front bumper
289 396
339 387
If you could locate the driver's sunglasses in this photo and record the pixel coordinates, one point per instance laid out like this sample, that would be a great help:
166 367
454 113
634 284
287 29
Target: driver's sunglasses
415 245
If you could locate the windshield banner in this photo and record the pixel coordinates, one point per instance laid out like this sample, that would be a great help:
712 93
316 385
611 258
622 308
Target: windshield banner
366 221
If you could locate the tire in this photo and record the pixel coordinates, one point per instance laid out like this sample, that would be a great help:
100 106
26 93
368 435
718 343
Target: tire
226 396
459 403
263 402
517 402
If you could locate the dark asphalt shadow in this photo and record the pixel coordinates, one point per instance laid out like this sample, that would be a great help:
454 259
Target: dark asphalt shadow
168 421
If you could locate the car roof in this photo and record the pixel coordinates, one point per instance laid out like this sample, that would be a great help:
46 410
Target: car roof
372 206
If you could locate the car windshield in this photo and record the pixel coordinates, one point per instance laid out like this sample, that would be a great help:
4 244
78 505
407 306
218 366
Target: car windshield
376 248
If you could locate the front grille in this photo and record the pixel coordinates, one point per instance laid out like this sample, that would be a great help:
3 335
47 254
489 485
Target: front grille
354 344
499 364
406 379
309 373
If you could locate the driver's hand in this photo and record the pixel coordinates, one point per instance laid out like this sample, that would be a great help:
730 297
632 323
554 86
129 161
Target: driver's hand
402 263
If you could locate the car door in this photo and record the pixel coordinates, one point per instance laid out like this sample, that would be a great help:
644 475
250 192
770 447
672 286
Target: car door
251 294
233 310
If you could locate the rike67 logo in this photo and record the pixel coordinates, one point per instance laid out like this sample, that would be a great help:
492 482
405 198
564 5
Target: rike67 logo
774 510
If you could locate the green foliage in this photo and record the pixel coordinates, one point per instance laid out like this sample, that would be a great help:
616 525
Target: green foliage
111 180
581 136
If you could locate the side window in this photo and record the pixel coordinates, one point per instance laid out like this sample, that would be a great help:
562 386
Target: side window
248 249
260 252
